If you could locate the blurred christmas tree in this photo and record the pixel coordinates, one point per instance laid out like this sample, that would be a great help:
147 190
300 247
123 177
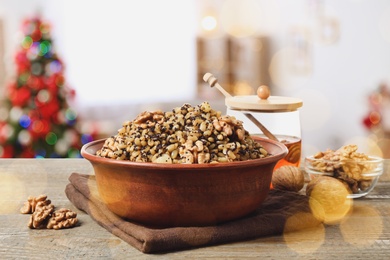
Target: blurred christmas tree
36 119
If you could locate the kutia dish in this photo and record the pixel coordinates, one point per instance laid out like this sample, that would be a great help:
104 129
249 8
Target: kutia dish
190 166
162 195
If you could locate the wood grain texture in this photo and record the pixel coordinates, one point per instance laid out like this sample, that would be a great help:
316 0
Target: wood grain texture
365 234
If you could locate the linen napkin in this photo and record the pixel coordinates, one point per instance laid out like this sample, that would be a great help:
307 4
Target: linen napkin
281 212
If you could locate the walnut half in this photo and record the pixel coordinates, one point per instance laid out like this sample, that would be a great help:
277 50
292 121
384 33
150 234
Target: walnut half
40 216
33 202
62 218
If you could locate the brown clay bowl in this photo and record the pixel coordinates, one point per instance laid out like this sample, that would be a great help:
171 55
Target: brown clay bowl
166 195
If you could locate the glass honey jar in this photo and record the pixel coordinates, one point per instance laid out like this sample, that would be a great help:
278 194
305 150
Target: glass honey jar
280 115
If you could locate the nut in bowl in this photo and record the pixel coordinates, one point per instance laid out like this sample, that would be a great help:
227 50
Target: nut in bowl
359 172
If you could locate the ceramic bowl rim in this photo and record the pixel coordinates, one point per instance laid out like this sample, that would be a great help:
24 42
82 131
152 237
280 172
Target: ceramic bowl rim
88 147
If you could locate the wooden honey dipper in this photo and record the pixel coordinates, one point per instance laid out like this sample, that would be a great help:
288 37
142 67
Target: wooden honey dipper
213 82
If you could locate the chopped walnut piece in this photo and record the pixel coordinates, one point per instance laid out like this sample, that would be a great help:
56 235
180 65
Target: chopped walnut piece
40 216
32 202
62 218
26 209
147 115
345 164
345 159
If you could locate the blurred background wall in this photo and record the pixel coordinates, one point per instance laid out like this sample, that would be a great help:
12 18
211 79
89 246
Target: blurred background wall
123 57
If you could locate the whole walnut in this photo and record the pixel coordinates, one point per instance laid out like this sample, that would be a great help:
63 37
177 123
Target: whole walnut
288 178
328 198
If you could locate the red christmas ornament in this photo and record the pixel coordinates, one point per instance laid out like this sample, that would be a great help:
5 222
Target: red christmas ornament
27 153
36 35
19 97
35 82
3 132
22 62
7 152
39 128
367 122
49 110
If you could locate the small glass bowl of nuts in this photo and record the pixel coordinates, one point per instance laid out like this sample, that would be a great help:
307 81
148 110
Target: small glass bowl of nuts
358 171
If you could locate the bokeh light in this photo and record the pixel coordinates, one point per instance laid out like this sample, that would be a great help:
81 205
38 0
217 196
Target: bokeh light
363 227
24 121
240 18
304 240
209 23
15 113
62 146
329 200
374 117
74 153
44 28
33 52
12 190
70 114
59 81
6 131
4 112
54 67
70 136
43 96
40 153
282 73
24 137
36 68
243 88
61 116
51 138
44 47
365 145
27 42
23 78
37 126
86 138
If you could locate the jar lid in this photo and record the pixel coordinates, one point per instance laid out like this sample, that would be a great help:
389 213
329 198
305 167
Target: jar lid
271 104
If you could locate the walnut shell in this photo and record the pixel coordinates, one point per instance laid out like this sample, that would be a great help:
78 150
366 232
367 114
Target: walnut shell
288 178
329 198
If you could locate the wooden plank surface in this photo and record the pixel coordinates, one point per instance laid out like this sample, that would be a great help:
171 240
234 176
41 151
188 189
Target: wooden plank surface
364 235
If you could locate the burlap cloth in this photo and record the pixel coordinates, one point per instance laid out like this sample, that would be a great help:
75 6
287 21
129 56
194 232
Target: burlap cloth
280 212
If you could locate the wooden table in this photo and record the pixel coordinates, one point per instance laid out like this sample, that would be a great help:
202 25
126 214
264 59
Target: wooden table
366 235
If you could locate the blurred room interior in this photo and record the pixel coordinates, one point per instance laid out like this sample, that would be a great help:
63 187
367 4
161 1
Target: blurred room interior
124 57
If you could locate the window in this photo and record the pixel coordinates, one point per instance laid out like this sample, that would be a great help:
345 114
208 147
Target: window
124 51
